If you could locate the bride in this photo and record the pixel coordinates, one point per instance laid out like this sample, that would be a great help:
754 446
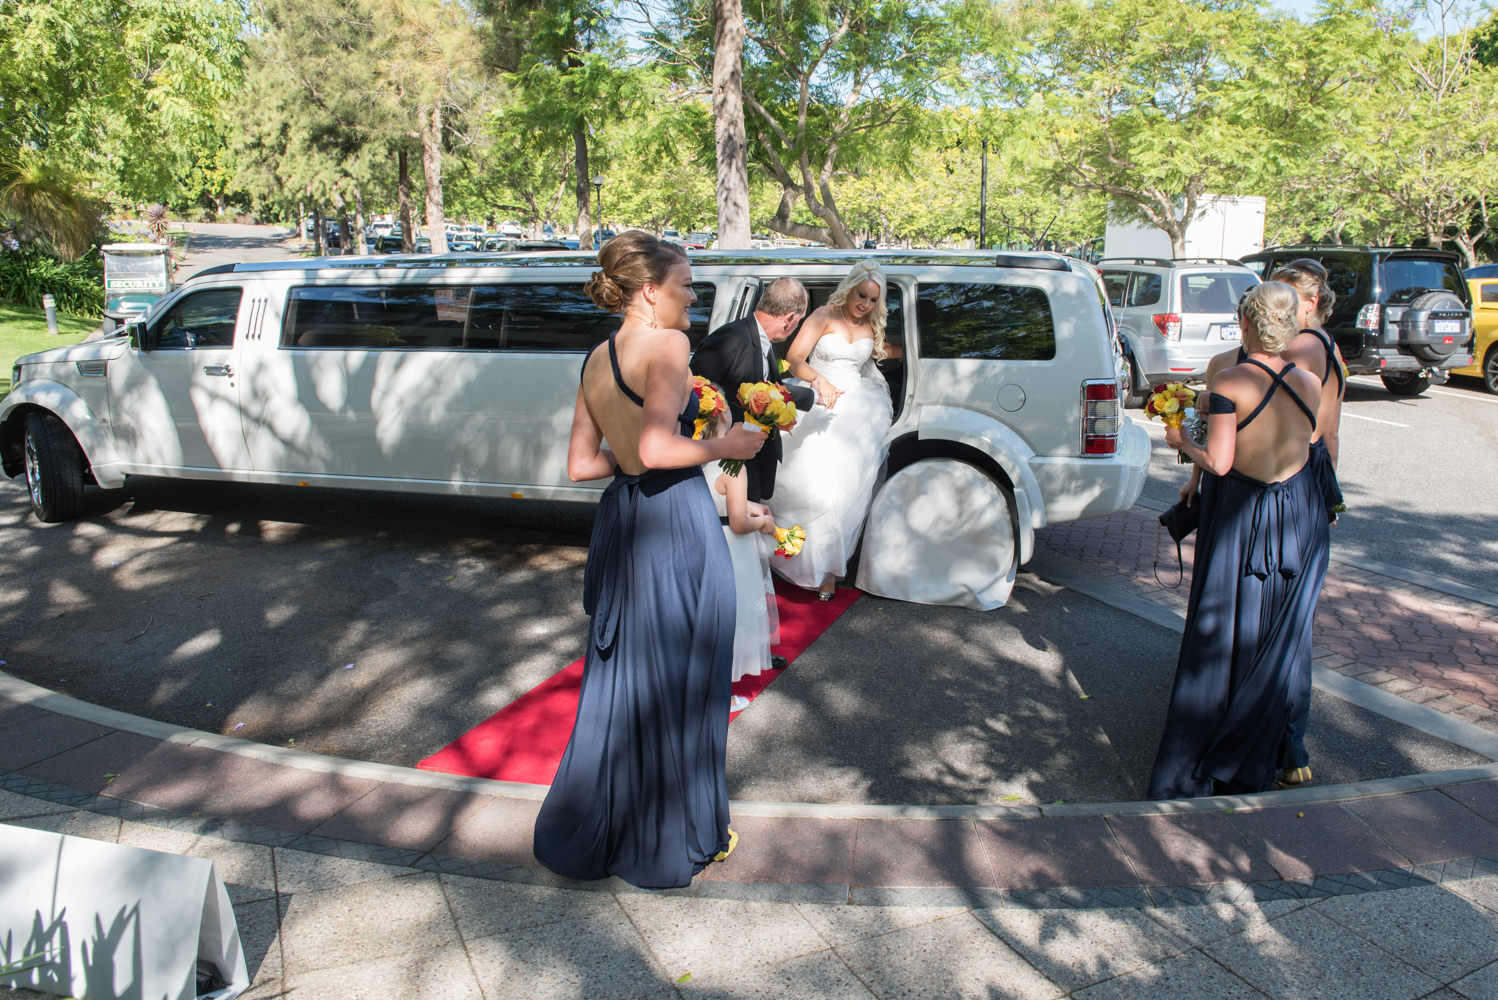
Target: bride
832 458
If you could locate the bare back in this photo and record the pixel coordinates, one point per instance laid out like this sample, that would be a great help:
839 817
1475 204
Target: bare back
1274 443
1308 351
646 358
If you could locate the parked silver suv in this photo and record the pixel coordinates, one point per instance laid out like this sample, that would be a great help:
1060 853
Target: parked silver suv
1173 315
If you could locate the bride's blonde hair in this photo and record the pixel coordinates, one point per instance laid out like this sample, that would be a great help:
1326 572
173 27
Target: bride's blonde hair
863 271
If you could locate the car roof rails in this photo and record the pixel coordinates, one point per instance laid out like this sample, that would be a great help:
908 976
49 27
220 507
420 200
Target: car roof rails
1149 261
1229 261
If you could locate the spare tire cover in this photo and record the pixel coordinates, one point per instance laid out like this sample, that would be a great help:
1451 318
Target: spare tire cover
1417 332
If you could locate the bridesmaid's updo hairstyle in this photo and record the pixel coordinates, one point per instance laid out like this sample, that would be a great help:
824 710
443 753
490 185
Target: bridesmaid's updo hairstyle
1271 307
1308 277
630 261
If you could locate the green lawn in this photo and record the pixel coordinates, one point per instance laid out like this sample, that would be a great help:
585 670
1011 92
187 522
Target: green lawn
23 330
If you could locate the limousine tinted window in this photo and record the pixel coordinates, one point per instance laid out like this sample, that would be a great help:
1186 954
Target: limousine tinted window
1000 322
203 319
512 317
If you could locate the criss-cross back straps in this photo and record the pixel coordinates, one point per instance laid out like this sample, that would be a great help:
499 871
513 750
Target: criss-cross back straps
1332 364
1279 381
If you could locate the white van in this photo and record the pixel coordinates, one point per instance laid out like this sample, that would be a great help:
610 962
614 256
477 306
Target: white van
457 375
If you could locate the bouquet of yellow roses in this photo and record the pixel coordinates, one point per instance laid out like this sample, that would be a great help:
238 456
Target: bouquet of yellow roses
711 405
1169 403
1175 404
768 406
788 541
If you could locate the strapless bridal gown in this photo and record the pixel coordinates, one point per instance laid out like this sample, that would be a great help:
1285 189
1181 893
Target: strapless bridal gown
831 462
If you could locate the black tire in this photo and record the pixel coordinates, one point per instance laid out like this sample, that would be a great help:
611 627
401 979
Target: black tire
54 469
1406 383
1138 389
1490 370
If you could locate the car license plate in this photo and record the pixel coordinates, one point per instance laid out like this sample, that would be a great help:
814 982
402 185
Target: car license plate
1446 326
1229 331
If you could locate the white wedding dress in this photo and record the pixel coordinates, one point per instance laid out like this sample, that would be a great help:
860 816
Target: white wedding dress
831 462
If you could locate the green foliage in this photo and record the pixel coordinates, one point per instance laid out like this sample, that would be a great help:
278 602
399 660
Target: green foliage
127 92
28 274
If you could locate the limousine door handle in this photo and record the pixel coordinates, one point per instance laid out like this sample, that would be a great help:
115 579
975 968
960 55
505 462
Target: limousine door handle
218 370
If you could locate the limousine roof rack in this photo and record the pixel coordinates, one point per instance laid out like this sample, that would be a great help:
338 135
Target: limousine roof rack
1037 260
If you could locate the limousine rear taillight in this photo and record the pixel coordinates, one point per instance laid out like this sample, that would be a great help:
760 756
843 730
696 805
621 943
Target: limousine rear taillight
1100 417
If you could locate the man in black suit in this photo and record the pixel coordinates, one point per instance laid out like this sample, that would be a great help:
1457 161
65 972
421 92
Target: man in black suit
742 351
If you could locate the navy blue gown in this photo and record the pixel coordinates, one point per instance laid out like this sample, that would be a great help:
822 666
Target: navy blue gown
641 792
1247 634
1293 753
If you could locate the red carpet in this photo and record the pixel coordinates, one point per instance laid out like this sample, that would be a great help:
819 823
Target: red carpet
524 740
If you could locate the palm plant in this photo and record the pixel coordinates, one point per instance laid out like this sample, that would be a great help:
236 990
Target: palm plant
39 199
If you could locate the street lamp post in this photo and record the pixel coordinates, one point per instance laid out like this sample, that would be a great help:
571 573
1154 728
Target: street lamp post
983 202
598 190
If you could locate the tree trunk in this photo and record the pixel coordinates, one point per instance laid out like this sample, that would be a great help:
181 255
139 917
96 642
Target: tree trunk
360 246
403 197
580 160
340 208
317 241
728 124
431 167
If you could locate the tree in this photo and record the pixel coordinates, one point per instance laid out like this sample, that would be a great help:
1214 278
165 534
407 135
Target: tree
1421 139
1152 105
829 87
728 124
128 93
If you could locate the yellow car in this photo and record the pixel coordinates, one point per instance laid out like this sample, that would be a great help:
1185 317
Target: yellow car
1485 332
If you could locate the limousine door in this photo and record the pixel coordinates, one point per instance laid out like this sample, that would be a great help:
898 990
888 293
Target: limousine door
174 400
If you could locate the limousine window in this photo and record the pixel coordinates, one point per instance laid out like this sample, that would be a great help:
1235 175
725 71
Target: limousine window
509 317
998 322
199 320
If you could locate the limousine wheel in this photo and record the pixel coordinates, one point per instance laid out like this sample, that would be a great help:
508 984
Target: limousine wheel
941 531
54 468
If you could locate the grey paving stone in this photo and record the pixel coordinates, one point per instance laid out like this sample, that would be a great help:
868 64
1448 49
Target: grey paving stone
1482 891
1187 976
438 973
339 927
1438 932
727 935
484 909
846 924
1305 954
14 805
955 956
1481 985
1200 925
259 925
1077 948
299 871
247 869
809 977
602 955
74 823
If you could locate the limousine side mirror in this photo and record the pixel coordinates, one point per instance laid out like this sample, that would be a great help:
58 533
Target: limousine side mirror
139 337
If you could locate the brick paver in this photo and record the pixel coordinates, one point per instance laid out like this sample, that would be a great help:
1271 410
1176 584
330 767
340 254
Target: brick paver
1421 644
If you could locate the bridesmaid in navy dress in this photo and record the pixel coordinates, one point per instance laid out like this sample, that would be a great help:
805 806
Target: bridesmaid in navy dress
641 791
1249 618
1314 350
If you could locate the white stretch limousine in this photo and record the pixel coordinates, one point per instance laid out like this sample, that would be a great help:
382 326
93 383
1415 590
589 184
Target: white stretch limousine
457 375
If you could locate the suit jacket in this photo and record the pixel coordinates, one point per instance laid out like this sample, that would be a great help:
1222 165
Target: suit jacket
731 355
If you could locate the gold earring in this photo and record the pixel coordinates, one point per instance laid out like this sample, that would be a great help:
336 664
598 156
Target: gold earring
654 324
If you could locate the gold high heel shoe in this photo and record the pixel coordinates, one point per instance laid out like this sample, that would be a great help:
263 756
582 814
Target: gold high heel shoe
1294 776
733 841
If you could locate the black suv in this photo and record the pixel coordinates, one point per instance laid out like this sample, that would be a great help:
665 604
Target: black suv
1402 313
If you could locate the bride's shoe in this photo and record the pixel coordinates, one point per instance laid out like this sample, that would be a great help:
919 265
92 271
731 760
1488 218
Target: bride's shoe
827 589
733 841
